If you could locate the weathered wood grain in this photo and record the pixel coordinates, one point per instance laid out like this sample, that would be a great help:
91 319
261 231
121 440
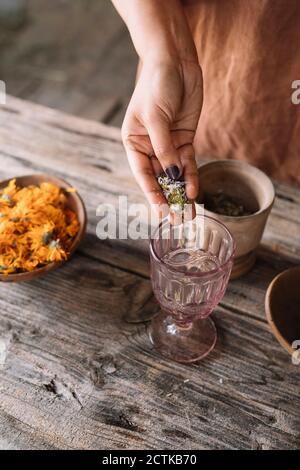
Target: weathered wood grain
78 372
78 376
86 68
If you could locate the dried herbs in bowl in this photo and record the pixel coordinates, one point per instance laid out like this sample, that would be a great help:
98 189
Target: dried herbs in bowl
223 204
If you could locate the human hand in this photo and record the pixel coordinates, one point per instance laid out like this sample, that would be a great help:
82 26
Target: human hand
160 125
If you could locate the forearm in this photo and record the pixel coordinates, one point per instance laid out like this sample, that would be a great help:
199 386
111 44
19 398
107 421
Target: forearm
158 29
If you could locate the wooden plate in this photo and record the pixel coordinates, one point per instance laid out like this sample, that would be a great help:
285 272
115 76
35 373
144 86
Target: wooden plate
282 306
74 202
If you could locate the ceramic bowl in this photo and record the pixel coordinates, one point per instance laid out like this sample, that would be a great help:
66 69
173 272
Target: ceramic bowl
282 306
74 202
251 187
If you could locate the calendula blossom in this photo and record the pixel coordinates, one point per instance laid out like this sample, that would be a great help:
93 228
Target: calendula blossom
36 227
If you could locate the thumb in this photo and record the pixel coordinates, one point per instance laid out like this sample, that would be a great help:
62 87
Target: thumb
163 147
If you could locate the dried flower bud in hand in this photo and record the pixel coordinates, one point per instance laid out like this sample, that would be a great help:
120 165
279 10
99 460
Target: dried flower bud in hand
174 192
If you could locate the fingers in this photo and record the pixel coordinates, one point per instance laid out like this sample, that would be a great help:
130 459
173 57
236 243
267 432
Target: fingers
174 161
160 150
190 171
157 168
163 147
142 169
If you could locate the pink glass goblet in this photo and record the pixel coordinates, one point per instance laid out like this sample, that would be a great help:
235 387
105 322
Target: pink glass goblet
190 269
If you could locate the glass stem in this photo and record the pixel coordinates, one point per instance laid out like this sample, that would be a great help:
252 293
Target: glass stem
183 324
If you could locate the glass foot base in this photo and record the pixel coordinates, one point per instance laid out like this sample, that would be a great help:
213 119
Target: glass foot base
188 343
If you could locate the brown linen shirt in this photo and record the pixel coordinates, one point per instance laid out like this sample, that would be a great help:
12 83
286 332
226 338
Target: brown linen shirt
249 51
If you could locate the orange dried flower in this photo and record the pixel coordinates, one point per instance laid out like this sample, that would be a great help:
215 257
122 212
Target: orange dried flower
36 227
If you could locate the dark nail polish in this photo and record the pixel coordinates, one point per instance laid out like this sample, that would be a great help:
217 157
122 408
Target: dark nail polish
173 172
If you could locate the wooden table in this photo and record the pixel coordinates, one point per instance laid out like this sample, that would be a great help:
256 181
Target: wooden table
77 370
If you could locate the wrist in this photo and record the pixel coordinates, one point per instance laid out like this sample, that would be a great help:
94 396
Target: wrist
160 29
166 49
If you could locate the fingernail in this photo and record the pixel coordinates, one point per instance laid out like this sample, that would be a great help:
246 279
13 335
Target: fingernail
173 172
